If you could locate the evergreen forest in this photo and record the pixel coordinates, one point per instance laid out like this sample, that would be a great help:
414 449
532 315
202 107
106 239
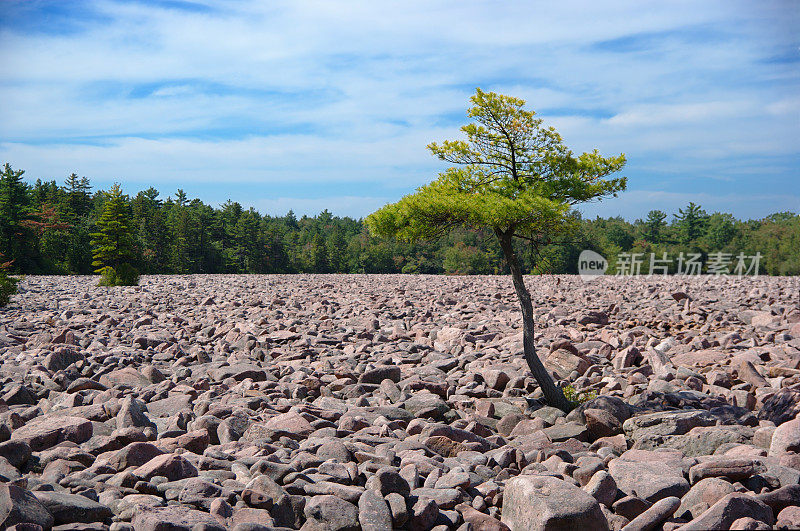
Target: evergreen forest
48 228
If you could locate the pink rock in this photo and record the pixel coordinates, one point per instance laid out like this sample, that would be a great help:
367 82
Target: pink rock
45 432
175 518
786 438
291 422
173 467
789 518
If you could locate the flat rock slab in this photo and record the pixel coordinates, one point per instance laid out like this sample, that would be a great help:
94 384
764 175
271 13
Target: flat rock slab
542 503
174 518
45 432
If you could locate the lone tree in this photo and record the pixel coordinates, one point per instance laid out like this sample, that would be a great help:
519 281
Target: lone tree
113 244
513 176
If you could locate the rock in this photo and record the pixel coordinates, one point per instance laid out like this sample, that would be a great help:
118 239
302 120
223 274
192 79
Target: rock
699 441
72 508
781 498
730 508
630 507
731 469
666 423
789 518
444 498
373 512
16 452
331 513
602 487
128 376
423 515
200 493
601 423
398 509
19 395
335 450
290 422
703 495
45 432
426 405
781 407
545 503
480 521
173 518
649 475
750 524
387 480
61 358
563 362
495 379
132 414
135 454
171 466
381 373
655 516
786 438
18 506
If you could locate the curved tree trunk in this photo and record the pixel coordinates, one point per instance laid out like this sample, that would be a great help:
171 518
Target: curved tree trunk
552 393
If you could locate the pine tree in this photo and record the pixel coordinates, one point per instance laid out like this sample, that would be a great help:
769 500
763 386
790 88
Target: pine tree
511 176
15 201
113 245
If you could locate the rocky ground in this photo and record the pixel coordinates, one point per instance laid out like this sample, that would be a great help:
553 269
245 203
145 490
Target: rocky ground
336 402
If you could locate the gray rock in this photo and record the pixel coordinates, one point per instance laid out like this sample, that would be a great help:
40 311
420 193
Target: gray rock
373 512
19 506
532 503
328 512
72 508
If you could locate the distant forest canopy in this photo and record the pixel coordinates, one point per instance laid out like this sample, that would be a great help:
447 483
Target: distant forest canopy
45 229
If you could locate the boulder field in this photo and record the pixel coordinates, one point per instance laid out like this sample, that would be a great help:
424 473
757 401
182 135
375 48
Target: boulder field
378 402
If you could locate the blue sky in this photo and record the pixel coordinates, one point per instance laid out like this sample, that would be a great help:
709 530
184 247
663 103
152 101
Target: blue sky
307 105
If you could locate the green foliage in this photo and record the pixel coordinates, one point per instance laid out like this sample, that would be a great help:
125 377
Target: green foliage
690 223
8 287
113 243
578 398
513 176
192 237
123 275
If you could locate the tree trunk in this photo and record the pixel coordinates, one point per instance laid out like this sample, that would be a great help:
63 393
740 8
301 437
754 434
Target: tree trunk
552 393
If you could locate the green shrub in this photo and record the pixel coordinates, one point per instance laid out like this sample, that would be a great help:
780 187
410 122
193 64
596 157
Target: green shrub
578 398
124 275
8 287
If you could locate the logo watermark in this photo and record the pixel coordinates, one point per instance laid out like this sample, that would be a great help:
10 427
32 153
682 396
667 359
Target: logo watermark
592 265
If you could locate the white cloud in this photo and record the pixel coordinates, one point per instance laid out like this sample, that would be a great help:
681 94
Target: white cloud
350 92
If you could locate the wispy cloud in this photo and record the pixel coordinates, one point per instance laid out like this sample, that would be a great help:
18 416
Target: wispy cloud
262 96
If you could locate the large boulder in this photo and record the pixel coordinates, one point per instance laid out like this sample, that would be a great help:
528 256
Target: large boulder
649 475
173 518
18 506
539 503
729 509
786 438
47 431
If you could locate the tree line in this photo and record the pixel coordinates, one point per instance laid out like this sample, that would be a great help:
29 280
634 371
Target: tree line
48 228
